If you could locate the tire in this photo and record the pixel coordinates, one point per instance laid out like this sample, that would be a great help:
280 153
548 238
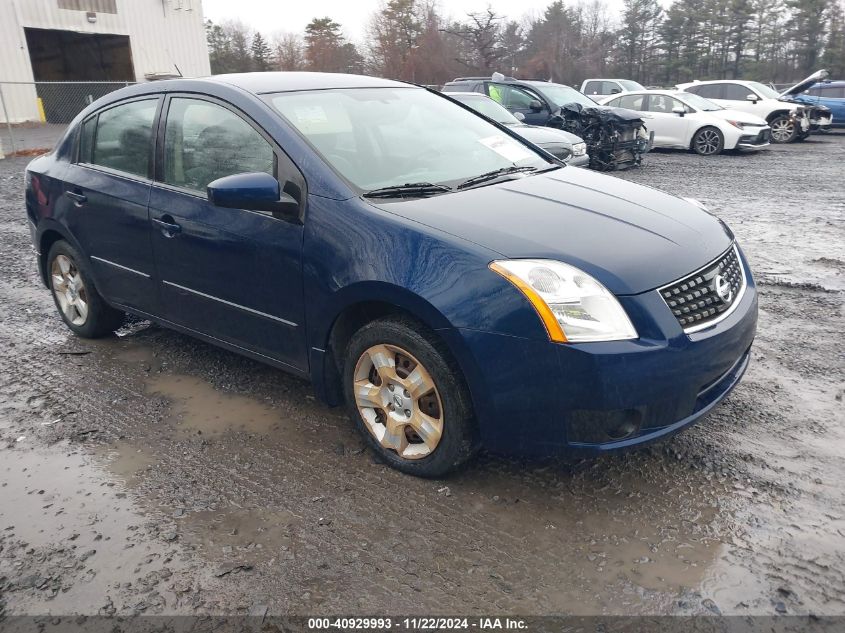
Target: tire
376 366
79 304
784 129
708 141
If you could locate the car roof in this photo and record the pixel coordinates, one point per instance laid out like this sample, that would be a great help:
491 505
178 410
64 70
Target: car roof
264 82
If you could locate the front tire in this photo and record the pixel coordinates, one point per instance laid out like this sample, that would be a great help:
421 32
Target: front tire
784 129
79 304
408 398
708 141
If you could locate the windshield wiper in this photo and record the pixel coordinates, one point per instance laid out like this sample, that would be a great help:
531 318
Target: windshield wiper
492 175
410 190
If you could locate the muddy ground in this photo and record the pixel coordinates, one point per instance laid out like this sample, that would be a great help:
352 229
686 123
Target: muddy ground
152 473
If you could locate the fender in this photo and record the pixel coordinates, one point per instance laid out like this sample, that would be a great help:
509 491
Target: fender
50 224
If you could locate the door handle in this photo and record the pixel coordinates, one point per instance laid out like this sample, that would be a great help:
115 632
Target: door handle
77 196
168 226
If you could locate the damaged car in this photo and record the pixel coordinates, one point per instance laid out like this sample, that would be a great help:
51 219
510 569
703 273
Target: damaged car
819 115
564 146
616 138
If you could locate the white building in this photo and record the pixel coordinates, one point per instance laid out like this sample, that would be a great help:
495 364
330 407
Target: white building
89 41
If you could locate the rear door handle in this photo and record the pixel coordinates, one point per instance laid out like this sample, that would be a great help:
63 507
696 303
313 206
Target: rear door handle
168 226
77 196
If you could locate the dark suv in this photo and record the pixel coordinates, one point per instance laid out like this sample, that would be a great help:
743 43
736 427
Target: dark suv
615 137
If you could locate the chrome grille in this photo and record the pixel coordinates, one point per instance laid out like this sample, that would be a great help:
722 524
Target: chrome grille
708 295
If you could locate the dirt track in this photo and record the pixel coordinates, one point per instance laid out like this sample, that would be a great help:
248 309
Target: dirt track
152 473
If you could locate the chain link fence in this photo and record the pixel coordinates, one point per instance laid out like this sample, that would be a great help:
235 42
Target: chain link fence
34 115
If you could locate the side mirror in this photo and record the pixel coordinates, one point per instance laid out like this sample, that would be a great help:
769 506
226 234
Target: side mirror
519 116
752 98
679 110
535 105
254 192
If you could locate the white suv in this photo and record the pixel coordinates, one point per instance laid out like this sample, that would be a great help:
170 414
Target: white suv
604 87
788 121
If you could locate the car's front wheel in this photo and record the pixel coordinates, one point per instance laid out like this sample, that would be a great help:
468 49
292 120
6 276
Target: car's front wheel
708 141
81 307
408 398
784 129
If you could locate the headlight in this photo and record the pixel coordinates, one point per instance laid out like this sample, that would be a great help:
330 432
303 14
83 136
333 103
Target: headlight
738 124
579 149
573 306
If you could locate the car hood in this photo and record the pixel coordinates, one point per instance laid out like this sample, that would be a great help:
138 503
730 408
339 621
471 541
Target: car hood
542 135
805 84
738 115
629 237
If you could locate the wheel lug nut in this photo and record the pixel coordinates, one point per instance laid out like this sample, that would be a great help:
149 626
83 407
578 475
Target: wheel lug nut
390 387
407 393
407 413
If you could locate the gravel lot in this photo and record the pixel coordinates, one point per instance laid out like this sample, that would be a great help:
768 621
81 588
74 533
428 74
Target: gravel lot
151 473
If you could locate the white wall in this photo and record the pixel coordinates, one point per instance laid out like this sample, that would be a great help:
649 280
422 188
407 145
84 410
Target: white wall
161 33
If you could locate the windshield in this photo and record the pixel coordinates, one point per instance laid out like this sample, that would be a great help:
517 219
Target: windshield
764 90
488 108
630 86
382 137
699 103
561 95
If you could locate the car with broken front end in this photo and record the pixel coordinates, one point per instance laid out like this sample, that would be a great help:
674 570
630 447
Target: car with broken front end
453 285
616 138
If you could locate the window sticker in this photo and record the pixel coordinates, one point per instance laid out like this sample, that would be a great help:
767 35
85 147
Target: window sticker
506 147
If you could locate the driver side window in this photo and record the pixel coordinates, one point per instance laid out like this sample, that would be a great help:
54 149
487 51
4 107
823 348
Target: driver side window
204 141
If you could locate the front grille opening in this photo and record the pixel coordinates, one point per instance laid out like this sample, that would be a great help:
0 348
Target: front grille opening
704 296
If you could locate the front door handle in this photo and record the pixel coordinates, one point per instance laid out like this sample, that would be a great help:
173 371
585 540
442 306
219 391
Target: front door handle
77 196
168 226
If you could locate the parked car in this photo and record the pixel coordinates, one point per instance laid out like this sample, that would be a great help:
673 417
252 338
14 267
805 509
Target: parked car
789 121
819 114
567 147
615 138
604 87
682 120
453 284
825 97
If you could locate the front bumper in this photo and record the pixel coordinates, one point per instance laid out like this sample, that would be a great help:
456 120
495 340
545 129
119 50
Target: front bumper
541 398
757 139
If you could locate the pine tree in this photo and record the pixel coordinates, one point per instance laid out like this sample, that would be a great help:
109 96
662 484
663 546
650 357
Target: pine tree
260 53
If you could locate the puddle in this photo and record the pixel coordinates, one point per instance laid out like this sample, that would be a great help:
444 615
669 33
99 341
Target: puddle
200 409
69 530
126 462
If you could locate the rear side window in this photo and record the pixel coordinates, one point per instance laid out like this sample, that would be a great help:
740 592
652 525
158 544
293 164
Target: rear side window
204 141
735 92
632 102
593 88
709 91
833 92
122 137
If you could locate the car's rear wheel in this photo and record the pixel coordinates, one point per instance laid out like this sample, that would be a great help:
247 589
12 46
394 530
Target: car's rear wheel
784 129
81 307
408 398
708 141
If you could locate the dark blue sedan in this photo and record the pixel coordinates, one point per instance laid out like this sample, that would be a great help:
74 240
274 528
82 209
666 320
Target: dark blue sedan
453 284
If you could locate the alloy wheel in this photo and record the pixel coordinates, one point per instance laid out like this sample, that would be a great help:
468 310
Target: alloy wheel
707 142
69 290
782 130
398 401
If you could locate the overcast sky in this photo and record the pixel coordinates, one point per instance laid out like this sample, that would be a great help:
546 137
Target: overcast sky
272 16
